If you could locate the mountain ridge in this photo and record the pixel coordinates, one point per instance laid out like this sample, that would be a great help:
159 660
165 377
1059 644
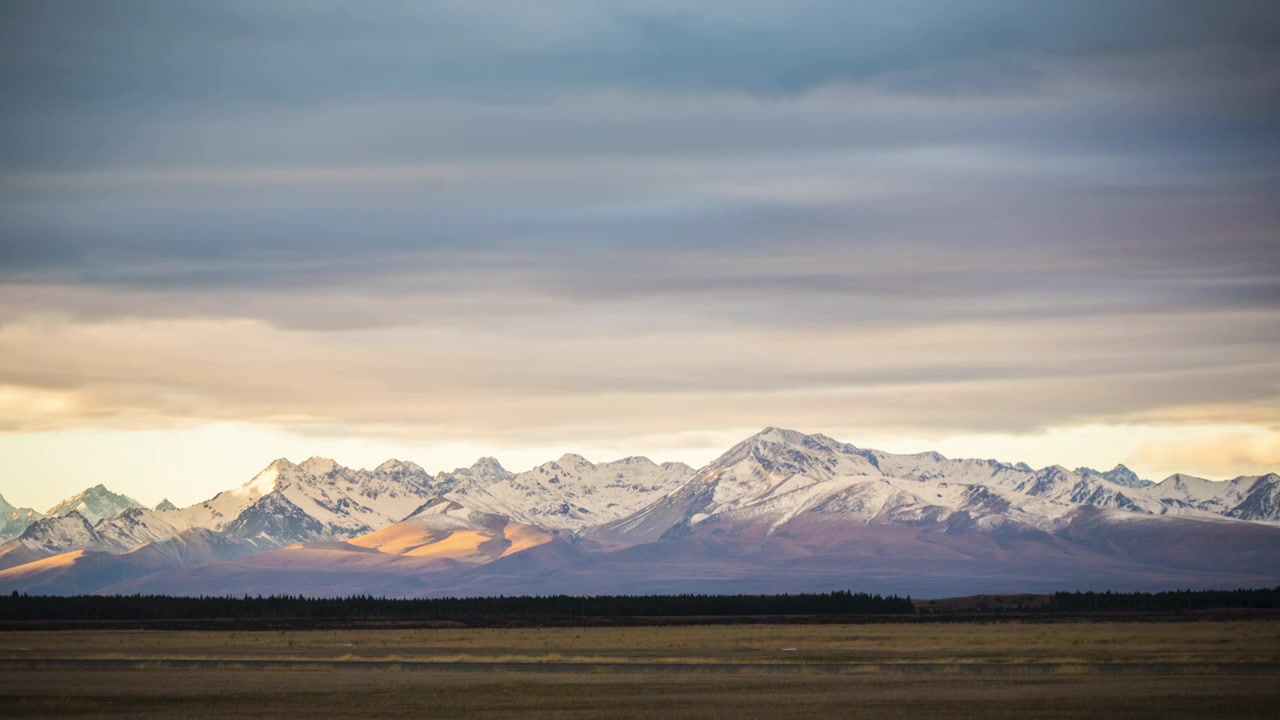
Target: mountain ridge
789 500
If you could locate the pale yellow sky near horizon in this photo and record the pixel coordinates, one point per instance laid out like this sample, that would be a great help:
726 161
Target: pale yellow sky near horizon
192 464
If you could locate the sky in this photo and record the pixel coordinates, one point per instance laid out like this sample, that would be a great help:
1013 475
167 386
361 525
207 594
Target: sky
234 231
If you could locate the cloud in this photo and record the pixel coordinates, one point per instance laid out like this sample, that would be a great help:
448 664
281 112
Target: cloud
489 220
548 378
498 48
1218 454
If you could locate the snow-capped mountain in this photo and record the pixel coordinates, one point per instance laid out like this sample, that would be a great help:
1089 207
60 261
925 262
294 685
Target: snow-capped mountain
484 472
52 535
137 526
777 509
1247 498
94 504
778 474
320 501
14 520
439 540
1119 475
285 503
573 493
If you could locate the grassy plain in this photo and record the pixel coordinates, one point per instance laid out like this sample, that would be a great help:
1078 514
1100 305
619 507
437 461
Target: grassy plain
1185 642
1026 670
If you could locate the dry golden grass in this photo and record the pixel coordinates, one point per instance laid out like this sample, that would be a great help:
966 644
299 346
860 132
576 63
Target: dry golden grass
673 681
749 694
1193 642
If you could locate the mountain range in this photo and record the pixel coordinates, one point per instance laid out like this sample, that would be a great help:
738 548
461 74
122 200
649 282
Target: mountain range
780 511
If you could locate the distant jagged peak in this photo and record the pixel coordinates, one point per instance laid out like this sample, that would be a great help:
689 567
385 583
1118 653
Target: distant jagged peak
634 460
770 439
1120 470
825 439
485 471
775 454
95 503
778 440
399 467
281 464
1183 480
58 526
164 506
574 461
1121 475
317 465
1269 477
781 435
279 473
1053 471
5 507
924 457
488 464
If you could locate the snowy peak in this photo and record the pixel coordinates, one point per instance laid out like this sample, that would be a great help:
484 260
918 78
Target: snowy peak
570 460
399 467
484 472
774 471
95 504
1048 482
780 436
777 475
319 466
321 499
14 520
1261 500
275 476
571 493
1182 480
774 455
138 526
1247 498
489 466
1123 476
1119 475
59 533
1087 487
317 499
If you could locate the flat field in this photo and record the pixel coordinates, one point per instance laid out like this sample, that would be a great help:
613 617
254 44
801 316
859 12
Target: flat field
1104 669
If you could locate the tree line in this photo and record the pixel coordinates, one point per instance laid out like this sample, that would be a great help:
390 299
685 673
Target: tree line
1165 601
18 607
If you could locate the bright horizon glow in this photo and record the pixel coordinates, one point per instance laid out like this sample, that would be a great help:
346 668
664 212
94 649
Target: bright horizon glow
190 465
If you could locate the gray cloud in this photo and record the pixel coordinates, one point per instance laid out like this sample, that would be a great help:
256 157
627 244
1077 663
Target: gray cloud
770 207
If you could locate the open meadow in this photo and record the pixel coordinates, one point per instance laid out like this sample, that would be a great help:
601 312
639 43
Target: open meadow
1068 669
